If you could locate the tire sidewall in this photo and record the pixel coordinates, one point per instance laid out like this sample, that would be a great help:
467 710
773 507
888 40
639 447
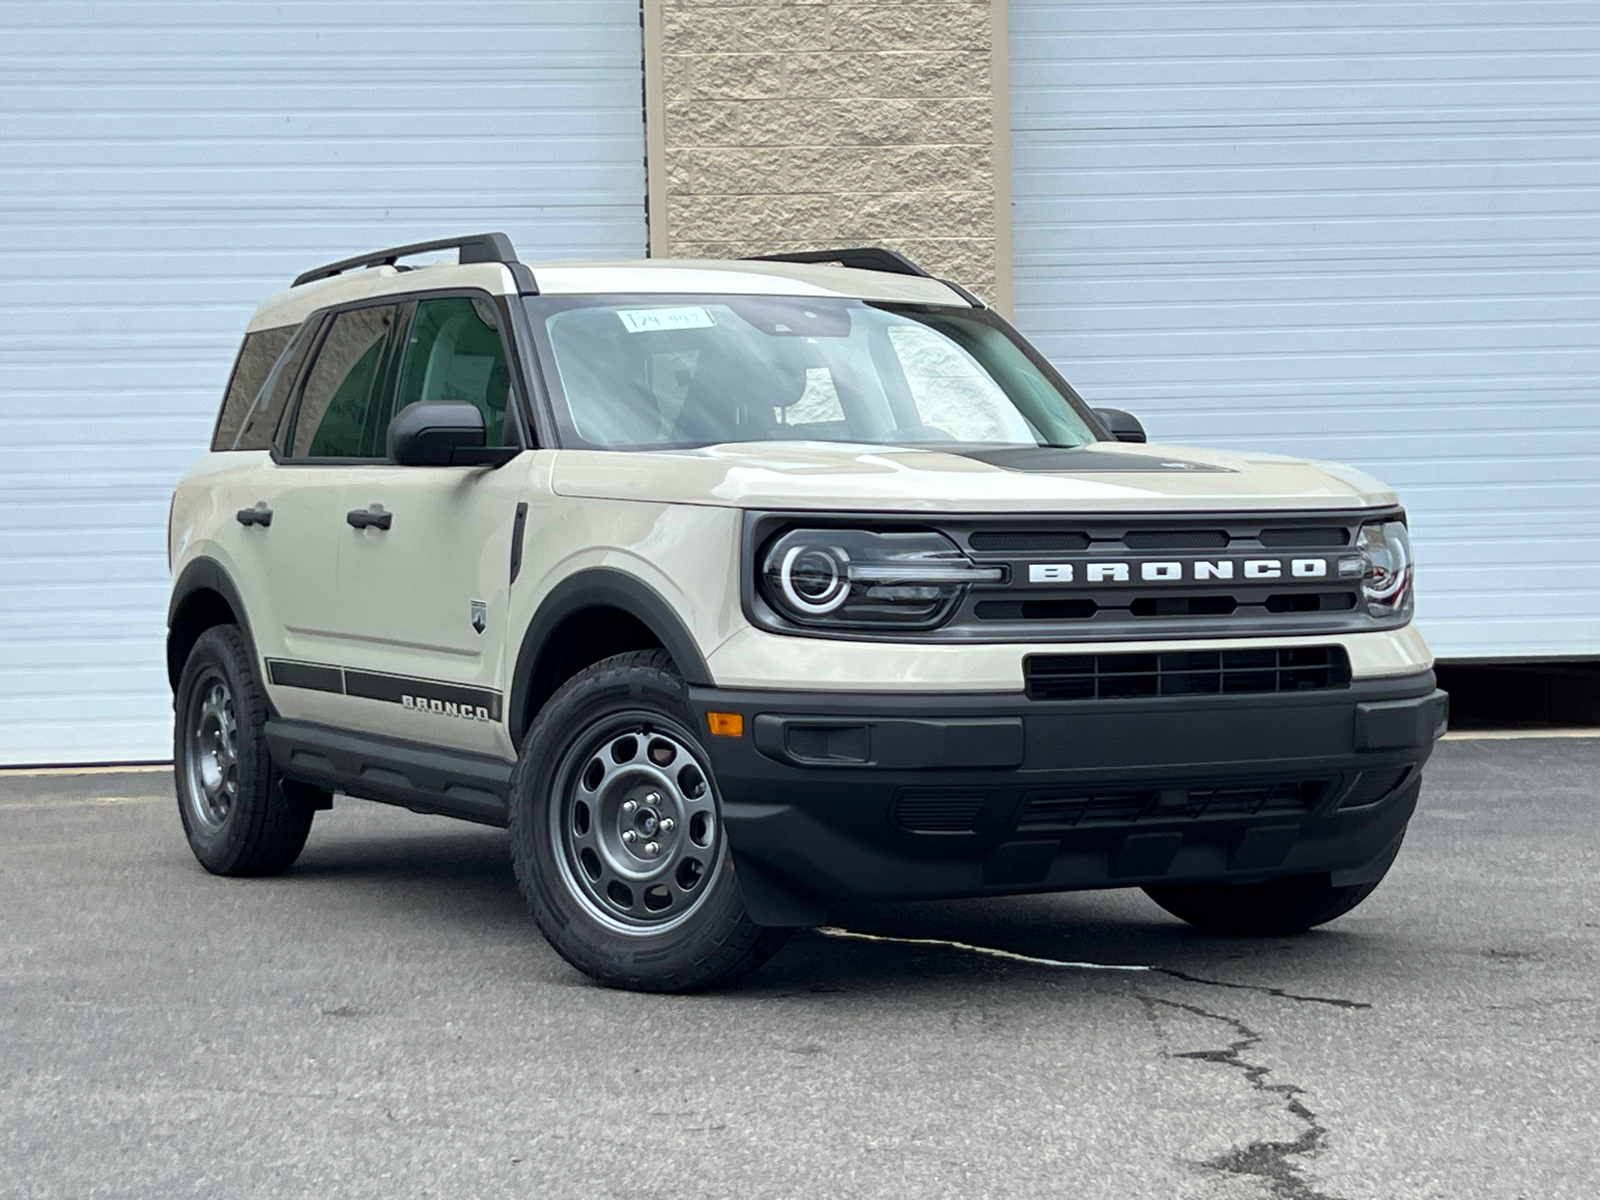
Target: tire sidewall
675 959
221 650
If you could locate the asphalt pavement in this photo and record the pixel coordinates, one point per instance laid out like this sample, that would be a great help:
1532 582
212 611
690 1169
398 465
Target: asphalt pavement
386 1021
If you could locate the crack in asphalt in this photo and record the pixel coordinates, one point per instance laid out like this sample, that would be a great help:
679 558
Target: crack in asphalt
834 931
1269 1162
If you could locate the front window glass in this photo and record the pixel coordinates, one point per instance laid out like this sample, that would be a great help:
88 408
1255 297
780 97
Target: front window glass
698 371
454 353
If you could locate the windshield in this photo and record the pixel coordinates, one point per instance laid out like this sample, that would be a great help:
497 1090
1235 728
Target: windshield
669 372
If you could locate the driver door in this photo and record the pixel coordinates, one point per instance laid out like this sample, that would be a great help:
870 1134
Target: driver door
424 590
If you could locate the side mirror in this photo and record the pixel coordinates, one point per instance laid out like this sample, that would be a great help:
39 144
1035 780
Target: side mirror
1124 426
443 433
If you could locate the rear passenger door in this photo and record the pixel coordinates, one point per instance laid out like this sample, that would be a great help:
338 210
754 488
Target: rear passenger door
328 429
424 594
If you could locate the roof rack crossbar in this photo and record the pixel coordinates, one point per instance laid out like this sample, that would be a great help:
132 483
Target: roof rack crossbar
476 248
862 258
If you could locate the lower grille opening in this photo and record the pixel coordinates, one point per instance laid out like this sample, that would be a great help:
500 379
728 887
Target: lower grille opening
1067 810
1035 610
1183 606
938 810
1293 602
1184 673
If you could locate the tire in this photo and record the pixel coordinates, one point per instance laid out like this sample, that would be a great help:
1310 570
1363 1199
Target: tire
617 840
1276 908
240 816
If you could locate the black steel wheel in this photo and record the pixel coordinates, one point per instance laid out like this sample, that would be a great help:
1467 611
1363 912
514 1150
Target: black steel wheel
617 838
238 814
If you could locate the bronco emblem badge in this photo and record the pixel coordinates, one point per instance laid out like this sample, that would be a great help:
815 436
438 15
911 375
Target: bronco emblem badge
480 615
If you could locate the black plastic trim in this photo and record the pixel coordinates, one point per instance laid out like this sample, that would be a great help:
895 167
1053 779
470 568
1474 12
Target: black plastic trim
601 587
519 528
859 258
425 779
1158 781
200 575
474 248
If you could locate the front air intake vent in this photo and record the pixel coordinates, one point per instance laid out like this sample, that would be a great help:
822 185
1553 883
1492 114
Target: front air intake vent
1185 673
1306 539
1175 539
1050 810
1027 541
938 810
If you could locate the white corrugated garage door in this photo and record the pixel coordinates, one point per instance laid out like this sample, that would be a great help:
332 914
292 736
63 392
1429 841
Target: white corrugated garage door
1356 230
165 166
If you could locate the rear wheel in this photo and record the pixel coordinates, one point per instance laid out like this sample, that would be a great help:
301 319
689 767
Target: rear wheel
240 816
616 835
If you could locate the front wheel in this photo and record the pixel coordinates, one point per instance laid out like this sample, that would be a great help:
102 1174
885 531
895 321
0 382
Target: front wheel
617 840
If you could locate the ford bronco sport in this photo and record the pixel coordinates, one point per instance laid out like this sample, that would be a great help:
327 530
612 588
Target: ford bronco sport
736 589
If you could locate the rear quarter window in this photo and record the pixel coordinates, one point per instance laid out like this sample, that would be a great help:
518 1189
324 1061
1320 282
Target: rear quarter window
257 356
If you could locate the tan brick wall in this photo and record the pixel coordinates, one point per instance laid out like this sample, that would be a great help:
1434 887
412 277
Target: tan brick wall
802 124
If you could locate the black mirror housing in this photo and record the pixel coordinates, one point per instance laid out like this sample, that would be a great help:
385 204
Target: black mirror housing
1124 426
443 433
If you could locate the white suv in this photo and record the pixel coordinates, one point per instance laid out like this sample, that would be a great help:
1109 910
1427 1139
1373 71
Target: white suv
739 588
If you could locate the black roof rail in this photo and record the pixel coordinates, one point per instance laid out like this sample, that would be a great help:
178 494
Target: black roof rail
867 258
477 248
862 258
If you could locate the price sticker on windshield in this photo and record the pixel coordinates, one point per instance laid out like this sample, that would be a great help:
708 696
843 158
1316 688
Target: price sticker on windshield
657 320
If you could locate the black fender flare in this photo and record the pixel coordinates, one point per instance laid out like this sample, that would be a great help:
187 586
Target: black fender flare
601 587
204 574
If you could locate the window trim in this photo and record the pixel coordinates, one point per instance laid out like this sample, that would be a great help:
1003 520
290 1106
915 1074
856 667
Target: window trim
405 304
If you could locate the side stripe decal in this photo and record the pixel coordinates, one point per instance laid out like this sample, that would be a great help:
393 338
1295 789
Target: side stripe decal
425 695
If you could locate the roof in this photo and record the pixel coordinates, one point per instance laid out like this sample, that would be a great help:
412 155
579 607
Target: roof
651 276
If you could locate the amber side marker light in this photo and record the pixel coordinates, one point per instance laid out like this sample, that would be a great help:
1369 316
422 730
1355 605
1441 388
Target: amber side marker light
725 724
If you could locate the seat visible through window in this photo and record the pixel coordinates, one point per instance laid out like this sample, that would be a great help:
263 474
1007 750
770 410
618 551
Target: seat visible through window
454 352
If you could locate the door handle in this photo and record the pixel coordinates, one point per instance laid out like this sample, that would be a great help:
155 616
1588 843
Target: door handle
259 515
369 518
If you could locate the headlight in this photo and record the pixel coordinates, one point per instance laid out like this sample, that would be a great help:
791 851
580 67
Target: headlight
1385 567
852 577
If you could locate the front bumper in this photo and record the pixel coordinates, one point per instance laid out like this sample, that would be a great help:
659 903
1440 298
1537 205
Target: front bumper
833 797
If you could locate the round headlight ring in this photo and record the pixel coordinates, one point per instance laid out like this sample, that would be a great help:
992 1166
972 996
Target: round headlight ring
813 579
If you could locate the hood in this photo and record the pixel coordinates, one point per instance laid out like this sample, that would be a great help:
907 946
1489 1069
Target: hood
1101 477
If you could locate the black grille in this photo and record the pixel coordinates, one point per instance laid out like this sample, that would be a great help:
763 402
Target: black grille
938 810
1028 540
1305 539
1175 539
1035 610
1066 810
1185 673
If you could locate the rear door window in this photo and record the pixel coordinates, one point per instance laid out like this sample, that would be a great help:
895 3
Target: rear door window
250 371
340 412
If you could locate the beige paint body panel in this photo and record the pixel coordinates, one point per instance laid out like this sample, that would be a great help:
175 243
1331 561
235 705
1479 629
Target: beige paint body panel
825 477
287 574
754 658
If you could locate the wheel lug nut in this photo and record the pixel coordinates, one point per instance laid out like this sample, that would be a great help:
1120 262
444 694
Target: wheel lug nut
652 848
653 798
630 807
629 835
668 824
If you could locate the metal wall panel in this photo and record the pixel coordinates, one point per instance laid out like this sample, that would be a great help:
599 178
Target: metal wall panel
163 166
1354 230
